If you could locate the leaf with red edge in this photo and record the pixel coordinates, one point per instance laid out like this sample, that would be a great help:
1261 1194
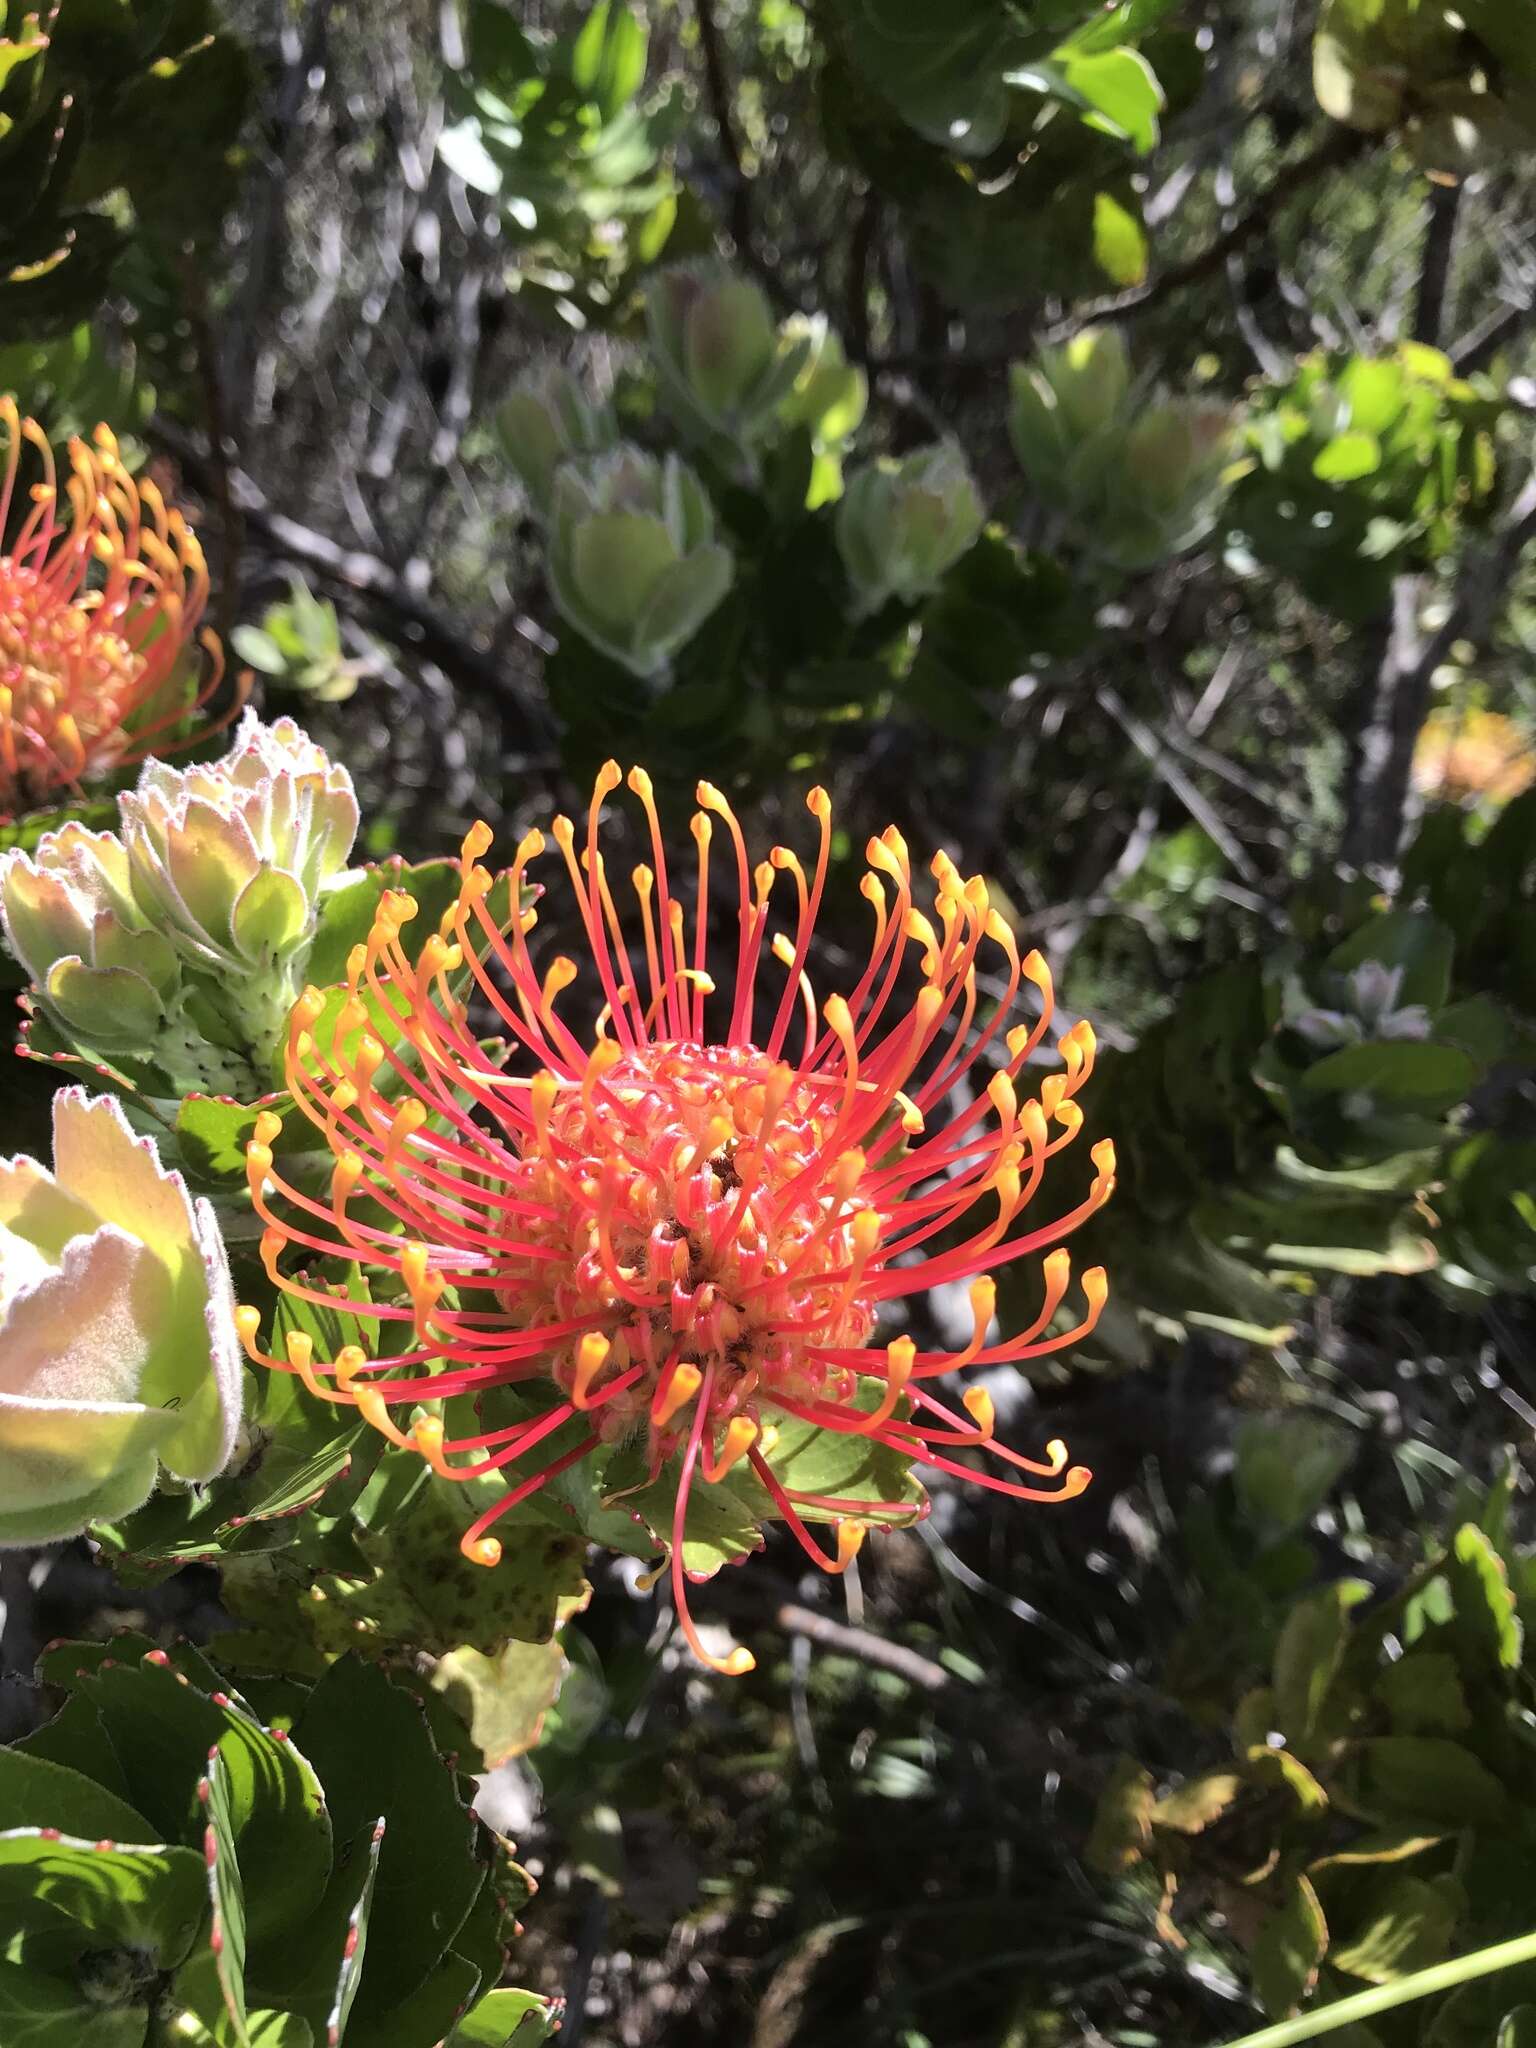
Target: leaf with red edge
226 1895
354 1947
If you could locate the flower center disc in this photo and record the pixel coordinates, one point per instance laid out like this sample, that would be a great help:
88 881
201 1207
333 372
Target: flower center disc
681 1197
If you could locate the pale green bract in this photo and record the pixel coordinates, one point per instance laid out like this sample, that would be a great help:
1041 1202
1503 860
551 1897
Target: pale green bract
118 1352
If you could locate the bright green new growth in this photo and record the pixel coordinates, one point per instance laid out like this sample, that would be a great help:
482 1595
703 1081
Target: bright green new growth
298 645
634 564
827 399
178 945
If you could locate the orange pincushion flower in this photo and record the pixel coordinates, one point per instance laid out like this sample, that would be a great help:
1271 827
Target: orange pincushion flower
100 599
1462 754
686 1227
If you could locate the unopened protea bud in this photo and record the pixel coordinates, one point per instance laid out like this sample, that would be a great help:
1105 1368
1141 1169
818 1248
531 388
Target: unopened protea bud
183 943
725 368
118 1350
229 858
901 525
546 420
633 561
1065 405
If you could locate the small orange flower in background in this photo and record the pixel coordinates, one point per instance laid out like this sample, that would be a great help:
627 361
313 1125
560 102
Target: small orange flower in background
101 593
1462 754
686 1224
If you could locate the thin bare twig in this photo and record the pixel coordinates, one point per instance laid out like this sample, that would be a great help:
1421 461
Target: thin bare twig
1158 757
417 625
1431 304
1379 805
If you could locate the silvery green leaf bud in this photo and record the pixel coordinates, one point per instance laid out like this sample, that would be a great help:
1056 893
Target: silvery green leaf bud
725 369
547 419
902 524
633 561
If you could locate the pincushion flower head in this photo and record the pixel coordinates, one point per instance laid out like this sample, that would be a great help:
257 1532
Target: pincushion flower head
682 1226
102 589
118 1351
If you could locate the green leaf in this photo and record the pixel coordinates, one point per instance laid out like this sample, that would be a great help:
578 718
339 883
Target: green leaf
37 1793
371 1744
1119 245
76 1739
510 2019
272 2028
1422 946
102 1895
1122 1821
1422 1694
1309 1653
424 1591
1286 1467
1486 1618
1380 1845
1198 1802
259 650
1346 457
13 54
724 1521
429 2013
347 911
214 1132
355 1944
1117 91
163 1729
502 1700
269 915
226 1936
1289 1950
1402 1070
37 2011
1425 1778
1401 1923
608 57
